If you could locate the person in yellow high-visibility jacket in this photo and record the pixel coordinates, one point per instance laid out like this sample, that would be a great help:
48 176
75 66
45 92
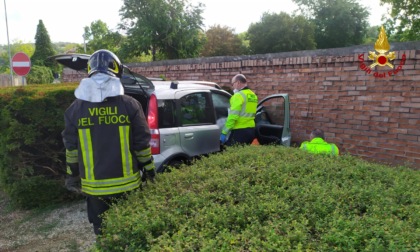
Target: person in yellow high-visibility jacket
317 144
240 124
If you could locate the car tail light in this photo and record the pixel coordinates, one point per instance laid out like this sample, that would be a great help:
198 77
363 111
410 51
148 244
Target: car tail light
152 119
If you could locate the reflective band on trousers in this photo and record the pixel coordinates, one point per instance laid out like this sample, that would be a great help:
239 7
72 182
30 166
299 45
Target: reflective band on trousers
111 186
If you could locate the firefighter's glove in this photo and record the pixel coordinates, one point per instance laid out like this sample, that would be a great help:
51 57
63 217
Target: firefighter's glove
143 176
223 138
73 184
150 175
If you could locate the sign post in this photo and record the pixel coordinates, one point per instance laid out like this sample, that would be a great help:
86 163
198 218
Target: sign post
21 64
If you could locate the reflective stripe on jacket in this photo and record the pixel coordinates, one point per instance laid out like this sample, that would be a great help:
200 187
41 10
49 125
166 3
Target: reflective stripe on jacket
110 137
243 107
319 145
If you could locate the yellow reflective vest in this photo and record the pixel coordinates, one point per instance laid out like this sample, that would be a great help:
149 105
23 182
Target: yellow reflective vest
243 107
318 145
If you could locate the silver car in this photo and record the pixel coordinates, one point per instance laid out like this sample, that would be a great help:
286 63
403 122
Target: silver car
186 117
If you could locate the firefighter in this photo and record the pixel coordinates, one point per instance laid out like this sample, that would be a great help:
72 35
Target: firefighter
240 123
106 137
317 144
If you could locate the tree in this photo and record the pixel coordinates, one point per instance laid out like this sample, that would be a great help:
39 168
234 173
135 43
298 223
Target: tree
405 19
43 48
245 42
221 41
338 23
171 28
99 36
280 33
372 35
40 75
16 46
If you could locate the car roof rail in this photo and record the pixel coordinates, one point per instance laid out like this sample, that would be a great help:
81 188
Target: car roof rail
207 83
155 78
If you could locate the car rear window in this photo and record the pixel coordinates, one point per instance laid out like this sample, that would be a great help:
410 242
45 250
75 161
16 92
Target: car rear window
166 110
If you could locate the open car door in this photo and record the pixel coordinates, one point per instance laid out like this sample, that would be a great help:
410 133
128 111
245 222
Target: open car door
272 120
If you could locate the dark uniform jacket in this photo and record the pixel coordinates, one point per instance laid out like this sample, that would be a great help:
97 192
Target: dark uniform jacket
104 143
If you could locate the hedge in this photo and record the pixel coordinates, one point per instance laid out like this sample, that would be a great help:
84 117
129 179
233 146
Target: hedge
32 154
268 198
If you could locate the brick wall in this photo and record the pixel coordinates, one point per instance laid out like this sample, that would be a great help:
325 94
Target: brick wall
371 113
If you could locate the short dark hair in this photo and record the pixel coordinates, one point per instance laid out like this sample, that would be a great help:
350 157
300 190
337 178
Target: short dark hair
240 77
318 133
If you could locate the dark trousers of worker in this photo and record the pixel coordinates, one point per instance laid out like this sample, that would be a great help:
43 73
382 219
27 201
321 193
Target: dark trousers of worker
241 136
96 206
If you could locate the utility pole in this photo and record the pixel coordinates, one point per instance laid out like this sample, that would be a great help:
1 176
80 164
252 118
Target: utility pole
8 43
84 42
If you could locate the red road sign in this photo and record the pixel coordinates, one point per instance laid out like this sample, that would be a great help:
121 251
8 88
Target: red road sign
21 64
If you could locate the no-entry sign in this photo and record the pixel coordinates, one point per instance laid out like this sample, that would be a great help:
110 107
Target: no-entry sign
21 64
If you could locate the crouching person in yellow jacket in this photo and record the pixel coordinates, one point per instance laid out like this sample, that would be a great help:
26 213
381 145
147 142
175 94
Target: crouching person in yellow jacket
106 137
317 144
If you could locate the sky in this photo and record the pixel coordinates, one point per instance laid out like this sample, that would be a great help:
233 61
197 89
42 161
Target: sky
65 19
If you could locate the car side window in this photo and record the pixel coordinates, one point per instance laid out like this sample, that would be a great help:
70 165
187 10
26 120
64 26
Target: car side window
221 106
166 111
274 111
196 109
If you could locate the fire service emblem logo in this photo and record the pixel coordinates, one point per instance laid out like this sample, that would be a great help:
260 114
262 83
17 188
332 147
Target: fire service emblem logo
381 57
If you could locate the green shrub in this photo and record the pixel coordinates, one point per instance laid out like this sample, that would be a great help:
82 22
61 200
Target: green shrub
40 75
47 192
267 198
32 154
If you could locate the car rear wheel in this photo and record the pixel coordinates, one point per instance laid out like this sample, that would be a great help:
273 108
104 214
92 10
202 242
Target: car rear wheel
173 164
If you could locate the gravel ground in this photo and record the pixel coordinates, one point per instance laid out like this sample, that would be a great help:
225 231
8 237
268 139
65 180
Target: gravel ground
63 229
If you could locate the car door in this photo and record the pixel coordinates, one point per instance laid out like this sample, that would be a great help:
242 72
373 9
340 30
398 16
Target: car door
272 120
221 107
199 132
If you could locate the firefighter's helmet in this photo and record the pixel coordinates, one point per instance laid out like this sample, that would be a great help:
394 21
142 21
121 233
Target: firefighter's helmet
106 62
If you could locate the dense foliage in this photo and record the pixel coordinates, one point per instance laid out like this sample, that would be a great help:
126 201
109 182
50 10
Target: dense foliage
40 75
404 20
165 29
338 23
268 198
222 41
99 36
43 48
31 149
281 33
18 46
158 30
